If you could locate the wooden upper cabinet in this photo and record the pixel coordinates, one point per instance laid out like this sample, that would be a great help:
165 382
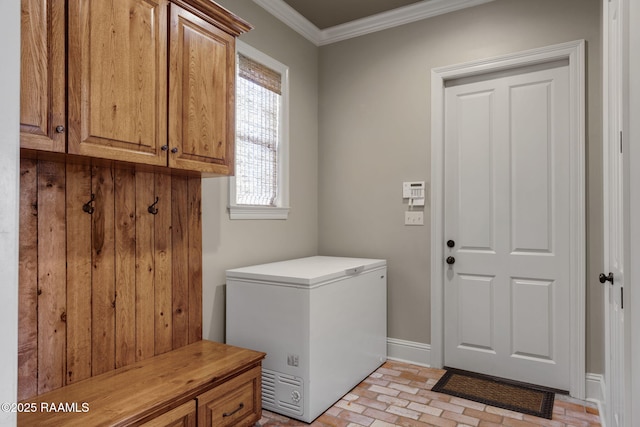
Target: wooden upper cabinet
201 95
146 81
42 75
118 79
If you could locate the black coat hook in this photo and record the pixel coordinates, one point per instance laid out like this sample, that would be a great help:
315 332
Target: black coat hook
87 206
152 209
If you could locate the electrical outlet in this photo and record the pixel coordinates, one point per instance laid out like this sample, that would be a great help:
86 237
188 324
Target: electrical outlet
414 218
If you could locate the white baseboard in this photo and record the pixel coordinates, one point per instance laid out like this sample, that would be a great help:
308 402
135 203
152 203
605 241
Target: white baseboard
595 387
595 392
416 353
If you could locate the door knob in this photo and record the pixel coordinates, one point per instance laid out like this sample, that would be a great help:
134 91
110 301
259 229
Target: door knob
451 260
608 278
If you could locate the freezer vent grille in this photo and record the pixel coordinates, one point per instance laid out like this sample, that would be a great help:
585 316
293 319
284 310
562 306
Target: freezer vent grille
268 388
292 381
290 407
282 393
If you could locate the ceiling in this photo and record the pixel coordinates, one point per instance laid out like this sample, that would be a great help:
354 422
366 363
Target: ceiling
329 13
329 21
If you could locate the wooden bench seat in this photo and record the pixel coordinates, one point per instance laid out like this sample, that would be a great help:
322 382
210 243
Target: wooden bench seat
204 383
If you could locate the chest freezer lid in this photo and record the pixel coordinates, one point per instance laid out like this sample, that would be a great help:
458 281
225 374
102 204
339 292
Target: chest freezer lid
306 271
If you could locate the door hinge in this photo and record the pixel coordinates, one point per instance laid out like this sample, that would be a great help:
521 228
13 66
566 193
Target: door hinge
620 142
621 298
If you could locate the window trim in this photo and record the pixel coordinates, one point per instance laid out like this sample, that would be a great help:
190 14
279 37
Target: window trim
281 209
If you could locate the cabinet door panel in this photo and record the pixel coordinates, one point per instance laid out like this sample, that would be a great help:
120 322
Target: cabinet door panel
42 84
201 95
117 79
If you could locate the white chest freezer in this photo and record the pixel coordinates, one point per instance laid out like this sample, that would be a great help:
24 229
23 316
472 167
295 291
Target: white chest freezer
322 322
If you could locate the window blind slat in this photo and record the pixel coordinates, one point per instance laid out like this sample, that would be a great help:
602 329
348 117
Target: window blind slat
259 74
257 133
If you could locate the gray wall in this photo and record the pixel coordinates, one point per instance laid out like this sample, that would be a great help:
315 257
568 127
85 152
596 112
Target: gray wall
9 181
374 133
228 244
360 126
374 128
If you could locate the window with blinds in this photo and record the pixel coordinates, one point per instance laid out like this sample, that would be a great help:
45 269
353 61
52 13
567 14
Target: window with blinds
257 133
261 144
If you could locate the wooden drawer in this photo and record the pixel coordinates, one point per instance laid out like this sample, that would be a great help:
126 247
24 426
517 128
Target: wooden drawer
182 416
237 402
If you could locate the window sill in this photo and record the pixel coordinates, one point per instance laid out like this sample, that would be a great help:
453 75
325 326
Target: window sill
258 212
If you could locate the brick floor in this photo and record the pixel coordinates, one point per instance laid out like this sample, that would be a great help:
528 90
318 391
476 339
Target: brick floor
399 394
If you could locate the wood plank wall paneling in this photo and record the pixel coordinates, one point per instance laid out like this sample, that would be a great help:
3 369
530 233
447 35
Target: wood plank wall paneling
51 276
125 192
103 279
163 319
180 261
28 281
78 274
195 261
145 274
100 291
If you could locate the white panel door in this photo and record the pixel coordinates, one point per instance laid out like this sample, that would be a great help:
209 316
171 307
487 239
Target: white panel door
507 214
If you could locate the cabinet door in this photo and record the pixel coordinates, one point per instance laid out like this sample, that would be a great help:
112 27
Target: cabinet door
118 79
237 402
201 95
182 416
42 79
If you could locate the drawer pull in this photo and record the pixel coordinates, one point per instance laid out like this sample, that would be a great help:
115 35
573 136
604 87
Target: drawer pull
228 414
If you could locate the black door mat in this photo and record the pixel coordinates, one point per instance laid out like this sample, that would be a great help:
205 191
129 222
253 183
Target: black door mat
492 391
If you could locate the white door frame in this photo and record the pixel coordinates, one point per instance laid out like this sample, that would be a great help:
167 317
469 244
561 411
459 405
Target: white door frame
574 52
631 128
613 25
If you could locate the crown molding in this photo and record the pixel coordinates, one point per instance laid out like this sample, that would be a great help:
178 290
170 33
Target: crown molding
292 18
381 21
